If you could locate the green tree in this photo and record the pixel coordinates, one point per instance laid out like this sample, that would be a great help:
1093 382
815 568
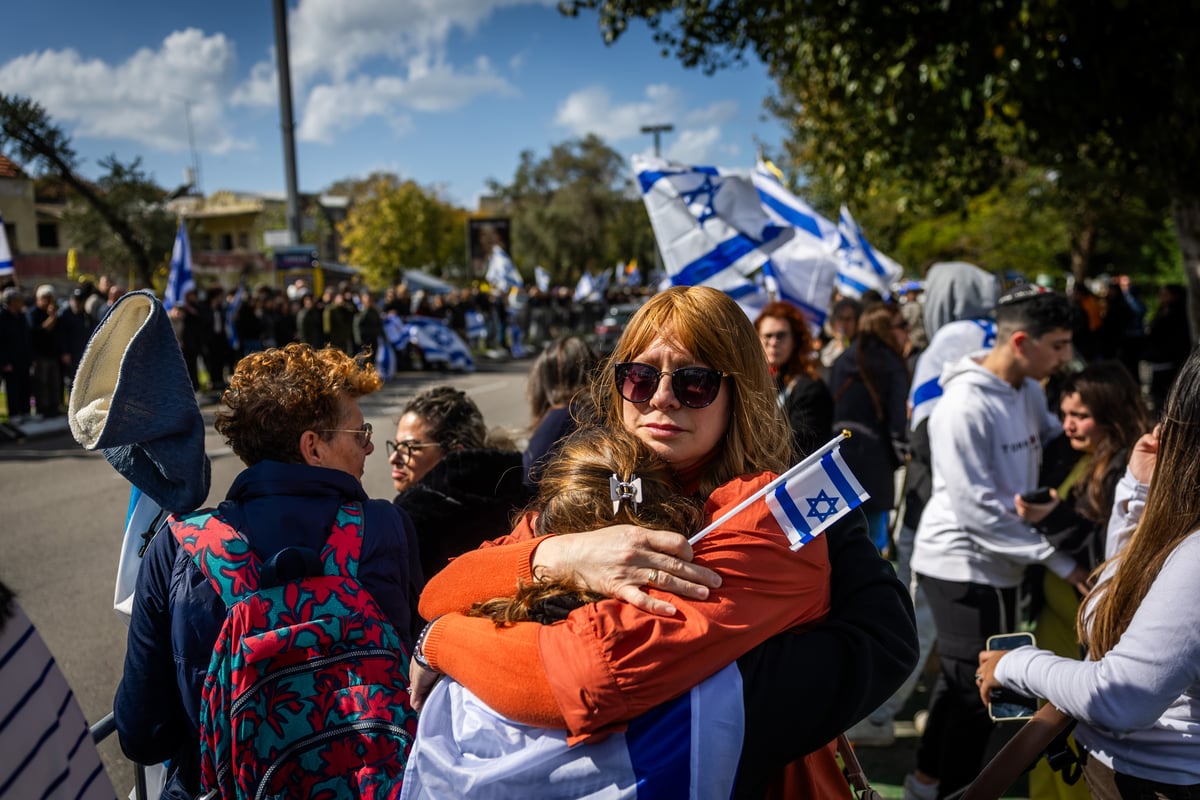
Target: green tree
575 210
134 198
940 97
396 225
27 132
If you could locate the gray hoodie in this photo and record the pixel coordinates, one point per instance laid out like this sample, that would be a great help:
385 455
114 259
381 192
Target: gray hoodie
986 439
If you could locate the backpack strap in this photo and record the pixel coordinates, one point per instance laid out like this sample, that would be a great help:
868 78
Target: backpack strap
220 551
343 548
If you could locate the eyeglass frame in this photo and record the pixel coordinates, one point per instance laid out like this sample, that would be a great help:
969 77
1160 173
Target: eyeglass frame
366 430
408 446
658 380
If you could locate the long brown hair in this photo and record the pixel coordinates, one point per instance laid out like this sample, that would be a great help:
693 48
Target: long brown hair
1172 514
709 325
574 495
876 332
1115 404
801 360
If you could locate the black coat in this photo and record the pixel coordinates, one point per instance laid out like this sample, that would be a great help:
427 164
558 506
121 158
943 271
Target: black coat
469 497
808 406
879 435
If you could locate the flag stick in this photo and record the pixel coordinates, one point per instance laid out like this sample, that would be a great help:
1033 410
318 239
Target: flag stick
770 487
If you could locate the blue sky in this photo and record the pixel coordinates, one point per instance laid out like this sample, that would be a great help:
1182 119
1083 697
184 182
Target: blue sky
446 92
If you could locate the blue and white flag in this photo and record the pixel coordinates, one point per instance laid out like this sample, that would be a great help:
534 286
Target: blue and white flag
686 748
710 226
542 278
862 267
951 342
179 279
439 344
803 269
502 274
6 259
806 499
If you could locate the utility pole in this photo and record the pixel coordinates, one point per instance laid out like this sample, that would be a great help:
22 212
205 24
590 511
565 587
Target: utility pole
287 120
656 131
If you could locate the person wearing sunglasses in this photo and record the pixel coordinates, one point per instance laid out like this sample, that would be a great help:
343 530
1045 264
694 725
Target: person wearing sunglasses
689 381
292 416
460 484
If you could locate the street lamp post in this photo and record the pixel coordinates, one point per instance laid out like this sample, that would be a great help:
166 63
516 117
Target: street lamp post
656 131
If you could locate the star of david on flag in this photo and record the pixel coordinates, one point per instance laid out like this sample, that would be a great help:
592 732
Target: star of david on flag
808 498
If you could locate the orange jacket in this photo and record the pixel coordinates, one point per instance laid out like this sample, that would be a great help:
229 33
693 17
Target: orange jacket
610 662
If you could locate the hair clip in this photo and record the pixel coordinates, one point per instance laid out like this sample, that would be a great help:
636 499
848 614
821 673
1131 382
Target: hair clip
619 490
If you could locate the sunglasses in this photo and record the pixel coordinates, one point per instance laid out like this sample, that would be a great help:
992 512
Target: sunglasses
363 434
694 387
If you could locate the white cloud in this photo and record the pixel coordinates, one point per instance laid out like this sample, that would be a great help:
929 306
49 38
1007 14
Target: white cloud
148 98
695 139
261 89
335 107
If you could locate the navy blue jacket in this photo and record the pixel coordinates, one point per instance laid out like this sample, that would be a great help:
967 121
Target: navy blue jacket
177 614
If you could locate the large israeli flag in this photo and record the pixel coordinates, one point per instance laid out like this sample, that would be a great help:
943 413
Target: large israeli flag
6 259
862 267
951 342
179 279
687 748
709 223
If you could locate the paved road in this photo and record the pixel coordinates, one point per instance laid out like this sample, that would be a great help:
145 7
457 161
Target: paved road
64 511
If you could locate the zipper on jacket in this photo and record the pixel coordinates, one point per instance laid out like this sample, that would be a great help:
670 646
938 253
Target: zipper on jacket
364 726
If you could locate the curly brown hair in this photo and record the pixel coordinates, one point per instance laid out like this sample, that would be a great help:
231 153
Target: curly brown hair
274 396
802 361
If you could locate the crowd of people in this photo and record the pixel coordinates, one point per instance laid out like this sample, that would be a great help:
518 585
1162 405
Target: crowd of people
557 617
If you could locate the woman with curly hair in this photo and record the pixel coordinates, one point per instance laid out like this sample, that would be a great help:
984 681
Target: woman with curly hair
803 396
292 416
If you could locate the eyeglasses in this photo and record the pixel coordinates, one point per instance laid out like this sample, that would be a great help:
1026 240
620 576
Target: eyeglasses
407 448
363 433
774 335
694 387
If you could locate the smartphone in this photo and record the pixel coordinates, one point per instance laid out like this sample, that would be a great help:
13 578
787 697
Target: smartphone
1036 496
1008 705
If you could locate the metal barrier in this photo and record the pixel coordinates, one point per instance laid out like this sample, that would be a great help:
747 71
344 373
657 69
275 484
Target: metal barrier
107 727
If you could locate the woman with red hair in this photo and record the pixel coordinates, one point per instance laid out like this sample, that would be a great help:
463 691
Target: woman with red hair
803 396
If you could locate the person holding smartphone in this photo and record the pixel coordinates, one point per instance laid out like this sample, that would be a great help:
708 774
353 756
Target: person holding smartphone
1135 694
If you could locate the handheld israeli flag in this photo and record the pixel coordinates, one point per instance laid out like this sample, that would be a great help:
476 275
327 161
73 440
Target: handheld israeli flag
542 278
6 259
179 279
686 748
502 274
862 267
806 499
710 226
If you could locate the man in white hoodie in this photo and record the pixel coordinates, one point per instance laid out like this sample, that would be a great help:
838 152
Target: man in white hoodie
986 437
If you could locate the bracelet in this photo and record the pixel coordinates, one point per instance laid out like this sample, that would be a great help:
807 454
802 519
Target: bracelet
419 648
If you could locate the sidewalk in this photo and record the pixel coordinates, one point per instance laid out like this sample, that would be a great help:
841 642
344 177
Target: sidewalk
32 428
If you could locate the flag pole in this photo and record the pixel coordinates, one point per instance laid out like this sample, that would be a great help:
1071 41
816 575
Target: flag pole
770 487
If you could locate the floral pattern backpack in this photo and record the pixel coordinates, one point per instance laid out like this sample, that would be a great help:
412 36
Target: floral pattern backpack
307 691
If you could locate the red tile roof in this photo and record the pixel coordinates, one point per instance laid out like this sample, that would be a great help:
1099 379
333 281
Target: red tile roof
9 168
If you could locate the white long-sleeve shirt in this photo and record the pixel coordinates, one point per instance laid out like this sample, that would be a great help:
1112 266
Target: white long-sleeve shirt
1139 706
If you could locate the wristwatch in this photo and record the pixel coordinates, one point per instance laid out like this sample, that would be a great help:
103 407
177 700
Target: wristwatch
419 649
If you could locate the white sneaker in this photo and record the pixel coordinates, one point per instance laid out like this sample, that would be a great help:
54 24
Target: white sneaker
919 720
915 790
872 734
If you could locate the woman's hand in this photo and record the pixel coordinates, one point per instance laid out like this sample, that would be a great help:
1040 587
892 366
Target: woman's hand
1033 513
985 676
420 683
1144 456
618 561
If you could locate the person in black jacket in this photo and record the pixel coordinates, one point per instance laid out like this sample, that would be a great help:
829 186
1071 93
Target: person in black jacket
459 487
803 396
870 394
